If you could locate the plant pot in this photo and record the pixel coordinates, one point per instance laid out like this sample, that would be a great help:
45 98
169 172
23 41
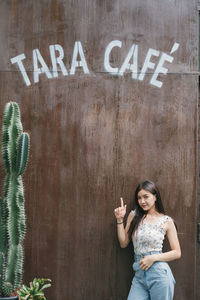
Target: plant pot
9 298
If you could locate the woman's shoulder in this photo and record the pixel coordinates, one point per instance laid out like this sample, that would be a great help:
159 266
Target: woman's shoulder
133 212
166 219
131 215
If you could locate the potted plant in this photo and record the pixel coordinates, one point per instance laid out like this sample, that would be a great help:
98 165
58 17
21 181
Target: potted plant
15 149
35 290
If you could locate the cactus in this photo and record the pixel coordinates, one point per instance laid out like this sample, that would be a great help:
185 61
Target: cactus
15 149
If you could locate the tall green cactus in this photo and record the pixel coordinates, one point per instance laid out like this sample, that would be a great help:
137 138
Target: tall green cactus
15 148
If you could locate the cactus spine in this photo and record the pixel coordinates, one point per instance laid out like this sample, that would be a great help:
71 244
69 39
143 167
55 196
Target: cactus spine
15 148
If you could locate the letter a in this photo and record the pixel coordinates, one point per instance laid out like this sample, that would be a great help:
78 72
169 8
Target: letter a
57 60
78 63
37 57
133 52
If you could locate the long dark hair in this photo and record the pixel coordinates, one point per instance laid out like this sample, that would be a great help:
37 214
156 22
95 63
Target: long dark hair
148 186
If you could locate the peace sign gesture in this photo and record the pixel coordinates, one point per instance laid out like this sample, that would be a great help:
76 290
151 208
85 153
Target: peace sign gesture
120 211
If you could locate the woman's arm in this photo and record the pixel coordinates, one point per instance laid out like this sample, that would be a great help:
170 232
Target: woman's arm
173 254
122 232
175 251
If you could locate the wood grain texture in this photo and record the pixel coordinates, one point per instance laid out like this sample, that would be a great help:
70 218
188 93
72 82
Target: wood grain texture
95 137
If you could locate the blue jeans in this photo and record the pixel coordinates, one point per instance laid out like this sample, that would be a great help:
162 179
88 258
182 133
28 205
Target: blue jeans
157 283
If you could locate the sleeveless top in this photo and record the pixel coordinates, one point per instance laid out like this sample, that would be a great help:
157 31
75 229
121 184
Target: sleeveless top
149 237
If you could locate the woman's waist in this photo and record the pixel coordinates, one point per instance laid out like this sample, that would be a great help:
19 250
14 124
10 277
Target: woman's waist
139 256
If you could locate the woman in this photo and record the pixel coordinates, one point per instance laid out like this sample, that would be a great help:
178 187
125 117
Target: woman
147 226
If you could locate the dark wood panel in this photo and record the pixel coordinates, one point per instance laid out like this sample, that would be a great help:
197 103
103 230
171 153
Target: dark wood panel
95 136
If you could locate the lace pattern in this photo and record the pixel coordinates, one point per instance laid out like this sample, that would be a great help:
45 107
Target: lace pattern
149 237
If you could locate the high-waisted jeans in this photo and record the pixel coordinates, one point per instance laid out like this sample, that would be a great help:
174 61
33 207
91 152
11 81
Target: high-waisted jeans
157 283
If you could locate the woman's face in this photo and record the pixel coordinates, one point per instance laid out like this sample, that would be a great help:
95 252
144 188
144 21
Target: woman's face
146 200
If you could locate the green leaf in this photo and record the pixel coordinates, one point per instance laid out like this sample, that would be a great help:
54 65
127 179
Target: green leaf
45 286
39 294
25 288
36 287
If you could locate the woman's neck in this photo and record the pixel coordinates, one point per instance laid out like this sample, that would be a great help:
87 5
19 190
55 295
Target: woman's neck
153 212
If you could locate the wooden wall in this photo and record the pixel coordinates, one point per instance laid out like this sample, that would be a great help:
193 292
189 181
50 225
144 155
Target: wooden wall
96 135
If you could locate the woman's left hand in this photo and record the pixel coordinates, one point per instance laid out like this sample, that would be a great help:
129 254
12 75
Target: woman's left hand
146 262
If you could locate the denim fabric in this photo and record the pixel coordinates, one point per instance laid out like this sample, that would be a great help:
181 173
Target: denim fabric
157 283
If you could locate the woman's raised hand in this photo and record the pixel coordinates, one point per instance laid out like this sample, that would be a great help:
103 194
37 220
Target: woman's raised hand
120 212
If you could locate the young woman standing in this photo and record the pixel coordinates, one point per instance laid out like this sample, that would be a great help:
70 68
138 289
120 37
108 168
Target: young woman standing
147 226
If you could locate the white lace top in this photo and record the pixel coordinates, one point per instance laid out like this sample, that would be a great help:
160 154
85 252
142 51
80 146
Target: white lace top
149 237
